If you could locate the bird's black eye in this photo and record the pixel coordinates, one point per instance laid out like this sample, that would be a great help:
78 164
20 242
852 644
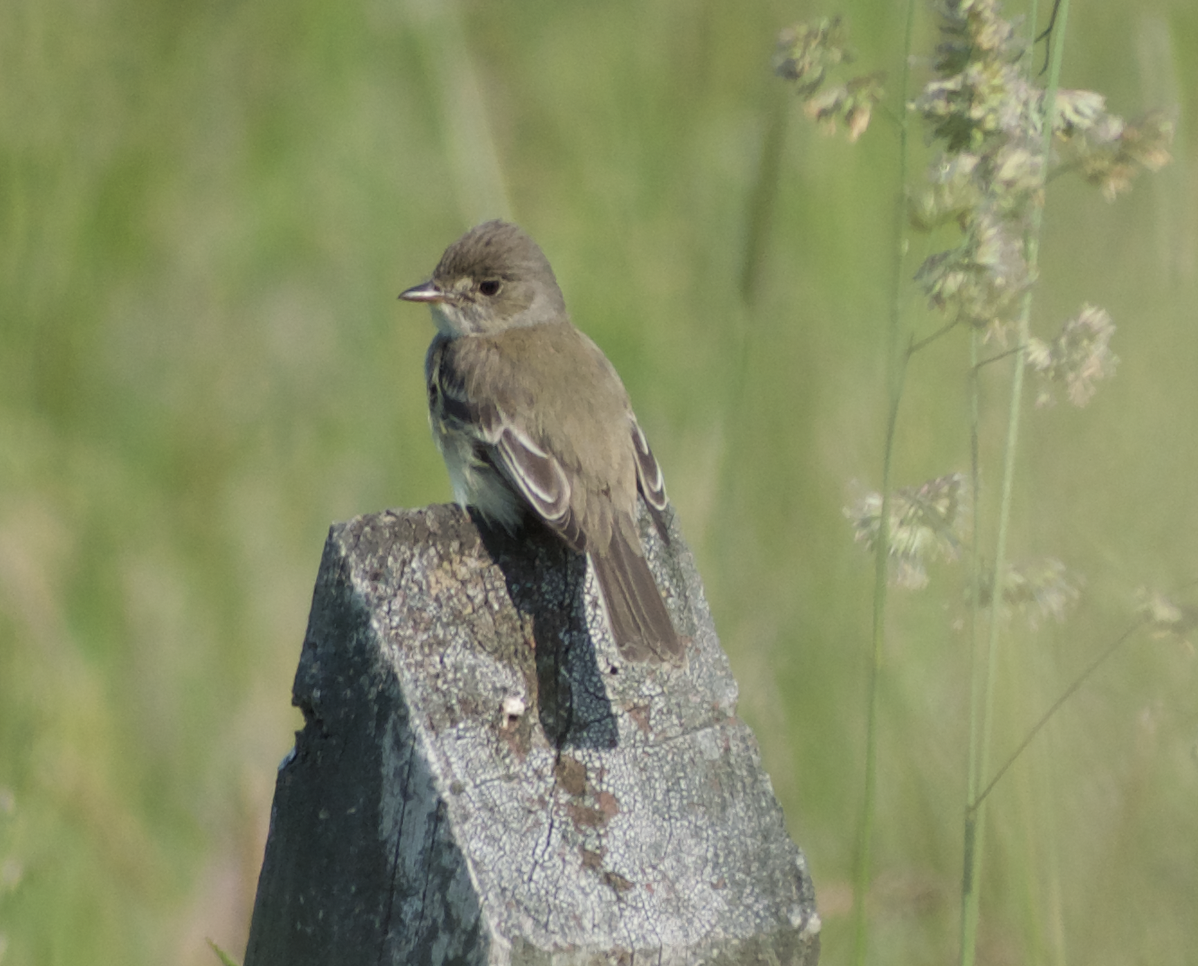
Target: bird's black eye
489 287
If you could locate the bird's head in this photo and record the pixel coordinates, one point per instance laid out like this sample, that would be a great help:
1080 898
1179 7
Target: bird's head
492 278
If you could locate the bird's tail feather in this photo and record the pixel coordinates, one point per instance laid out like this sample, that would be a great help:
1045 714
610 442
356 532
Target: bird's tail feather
636 612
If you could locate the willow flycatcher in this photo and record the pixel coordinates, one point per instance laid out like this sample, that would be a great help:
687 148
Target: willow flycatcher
531 417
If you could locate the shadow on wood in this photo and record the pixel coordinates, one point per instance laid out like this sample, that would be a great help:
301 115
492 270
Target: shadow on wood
546 583
481 780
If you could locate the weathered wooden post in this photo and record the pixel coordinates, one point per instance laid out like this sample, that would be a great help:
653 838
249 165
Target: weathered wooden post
481 780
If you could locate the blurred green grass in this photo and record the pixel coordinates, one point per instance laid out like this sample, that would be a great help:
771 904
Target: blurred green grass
207 212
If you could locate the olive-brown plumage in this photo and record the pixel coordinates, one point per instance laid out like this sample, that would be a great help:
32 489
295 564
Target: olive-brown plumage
531 417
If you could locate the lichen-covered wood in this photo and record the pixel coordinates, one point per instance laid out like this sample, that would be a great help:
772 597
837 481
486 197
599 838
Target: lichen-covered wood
481 780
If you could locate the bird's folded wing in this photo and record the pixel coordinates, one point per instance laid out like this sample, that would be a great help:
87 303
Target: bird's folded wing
648 473
539 478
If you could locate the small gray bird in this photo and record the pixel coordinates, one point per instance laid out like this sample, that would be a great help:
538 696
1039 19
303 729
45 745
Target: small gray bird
530 416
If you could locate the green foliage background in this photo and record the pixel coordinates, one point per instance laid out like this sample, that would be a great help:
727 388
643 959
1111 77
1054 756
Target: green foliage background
206 212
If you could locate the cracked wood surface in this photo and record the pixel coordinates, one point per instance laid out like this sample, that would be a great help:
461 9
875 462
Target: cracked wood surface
481 780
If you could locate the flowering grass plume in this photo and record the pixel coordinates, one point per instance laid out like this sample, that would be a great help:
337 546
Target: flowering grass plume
927 522
1165 617
984 111
1078 357
989 118
1107 151
805 53
1035 590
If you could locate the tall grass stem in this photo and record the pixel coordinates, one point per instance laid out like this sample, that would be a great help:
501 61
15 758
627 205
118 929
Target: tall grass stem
897 357
975 814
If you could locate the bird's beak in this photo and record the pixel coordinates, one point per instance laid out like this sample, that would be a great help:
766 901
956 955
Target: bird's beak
428 292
